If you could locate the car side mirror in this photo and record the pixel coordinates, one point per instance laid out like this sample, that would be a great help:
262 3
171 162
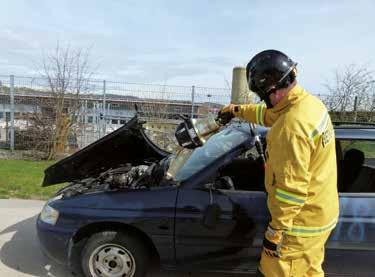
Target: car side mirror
209 186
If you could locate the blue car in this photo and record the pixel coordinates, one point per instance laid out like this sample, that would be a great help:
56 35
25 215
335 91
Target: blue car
130 204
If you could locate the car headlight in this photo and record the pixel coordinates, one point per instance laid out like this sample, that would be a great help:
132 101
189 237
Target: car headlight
49 215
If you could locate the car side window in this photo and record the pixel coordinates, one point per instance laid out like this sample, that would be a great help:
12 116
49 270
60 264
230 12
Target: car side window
356 166
366 146
246 172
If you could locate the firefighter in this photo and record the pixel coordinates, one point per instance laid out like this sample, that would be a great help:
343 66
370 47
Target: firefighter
300 174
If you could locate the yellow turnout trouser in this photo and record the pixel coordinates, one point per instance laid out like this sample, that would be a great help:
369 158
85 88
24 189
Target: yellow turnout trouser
300 256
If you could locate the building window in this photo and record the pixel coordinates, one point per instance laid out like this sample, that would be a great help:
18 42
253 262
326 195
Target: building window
90 119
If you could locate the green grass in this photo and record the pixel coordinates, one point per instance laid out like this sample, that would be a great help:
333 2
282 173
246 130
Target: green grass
367 147
23 179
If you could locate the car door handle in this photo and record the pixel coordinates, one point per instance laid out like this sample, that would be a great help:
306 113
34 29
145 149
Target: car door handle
191 209
164 225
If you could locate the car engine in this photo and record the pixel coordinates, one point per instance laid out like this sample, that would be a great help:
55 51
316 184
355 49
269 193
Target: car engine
127 176
123 177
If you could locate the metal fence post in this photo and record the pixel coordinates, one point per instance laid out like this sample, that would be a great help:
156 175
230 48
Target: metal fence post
104 108
97 112
372 110
84 143
192 101
11 84
355 108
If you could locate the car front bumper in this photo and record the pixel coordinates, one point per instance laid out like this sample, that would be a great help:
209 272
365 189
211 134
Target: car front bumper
54 241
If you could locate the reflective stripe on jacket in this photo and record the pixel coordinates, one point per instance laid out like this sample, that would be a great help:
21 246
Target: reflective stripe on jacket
301 172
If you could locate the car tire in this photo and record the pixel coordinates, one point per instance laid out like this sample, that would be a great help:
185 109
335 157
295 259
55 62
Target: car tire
113 253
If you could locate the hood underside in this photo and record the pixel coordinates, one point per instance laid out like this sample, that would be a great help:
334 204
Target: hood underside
128 144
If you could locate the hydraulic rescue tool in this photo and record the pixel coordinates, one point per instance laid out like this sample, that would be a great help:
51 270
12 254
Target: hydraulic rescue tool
194 132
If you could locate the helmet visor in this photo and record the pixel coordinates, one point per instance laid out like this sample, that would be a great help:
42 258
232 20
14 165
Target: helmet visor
254 88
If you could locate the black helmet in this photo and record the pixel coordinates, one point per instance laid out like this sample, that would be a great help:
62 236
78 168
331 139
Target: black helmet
269 70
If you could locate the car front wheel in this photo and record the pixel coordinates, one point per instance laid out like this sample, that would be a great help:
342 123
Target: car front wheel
114 254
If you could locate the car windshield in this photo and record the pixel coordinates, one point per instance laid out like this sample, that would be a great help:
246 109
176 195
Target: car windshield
189 162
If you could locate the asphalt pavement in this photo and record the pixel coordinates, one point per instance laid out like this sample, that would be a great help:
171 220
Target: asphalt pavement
20 254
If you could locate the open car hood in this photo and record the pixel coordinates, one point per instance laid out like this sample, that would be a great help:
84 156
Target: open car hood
128 144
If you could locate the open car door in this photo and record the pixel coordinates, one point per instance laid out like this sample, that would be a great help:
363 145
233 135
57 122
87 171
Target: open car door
224 243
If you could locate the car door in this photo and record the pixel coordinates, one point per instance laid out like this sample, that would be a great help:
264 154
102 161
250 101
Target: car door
193 238
227 244
254 204
356 227
243 216
233 229
351 247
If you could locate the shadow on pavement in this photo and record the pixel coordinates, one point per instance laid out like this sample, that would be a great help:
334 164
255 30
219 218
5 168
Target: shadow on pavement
22 252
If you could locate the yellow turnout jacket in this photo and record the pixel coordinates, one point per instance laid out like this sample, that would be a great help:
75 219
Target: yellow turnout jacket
301 172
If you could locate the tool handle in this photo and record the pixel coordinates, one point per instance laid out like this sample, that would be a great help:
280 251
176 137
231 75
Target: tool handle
258 143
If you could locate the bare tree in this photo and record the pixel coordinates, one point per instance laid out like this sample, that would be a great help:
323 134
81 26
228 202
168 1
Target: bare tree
67 71
351 91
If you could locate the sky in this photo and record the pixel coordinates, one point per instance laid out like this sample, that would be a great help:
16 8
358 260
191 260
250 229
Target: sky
189 42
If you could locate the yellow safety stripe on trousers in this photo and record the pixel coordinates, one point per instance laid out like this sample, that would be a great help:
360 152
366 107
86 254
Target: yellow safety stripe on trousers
304 231
290 198
259 114
320 128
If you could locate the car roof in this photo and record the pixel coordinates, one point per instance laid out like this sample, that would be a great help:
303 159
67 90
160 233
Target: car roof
355 132
345 131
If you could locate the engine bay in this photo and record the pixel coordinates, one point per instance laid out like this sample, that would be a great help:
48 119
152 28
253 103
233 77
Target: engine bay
124 177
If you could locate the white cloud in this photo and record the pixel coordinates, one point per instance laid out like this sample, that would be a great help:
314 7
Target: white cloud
147 41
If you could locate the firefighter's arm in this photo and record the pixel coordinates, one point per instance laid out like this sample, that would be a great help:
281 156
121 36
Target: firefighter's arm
254 113
290 158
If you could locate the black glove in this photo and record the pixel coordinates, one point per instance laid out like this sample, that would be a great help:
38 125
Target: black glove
272 242
226 114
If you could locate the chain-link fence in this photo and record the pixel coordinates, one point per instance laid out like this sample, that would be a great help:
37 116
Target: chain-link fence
31 110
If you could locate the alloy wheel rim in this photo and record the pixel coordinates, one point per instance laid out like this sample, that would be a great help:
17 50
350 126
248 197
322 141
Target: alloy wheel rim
111 260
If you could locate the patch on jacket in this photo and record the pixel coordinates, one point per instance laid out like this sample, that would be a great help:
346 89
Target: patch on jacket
326 137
